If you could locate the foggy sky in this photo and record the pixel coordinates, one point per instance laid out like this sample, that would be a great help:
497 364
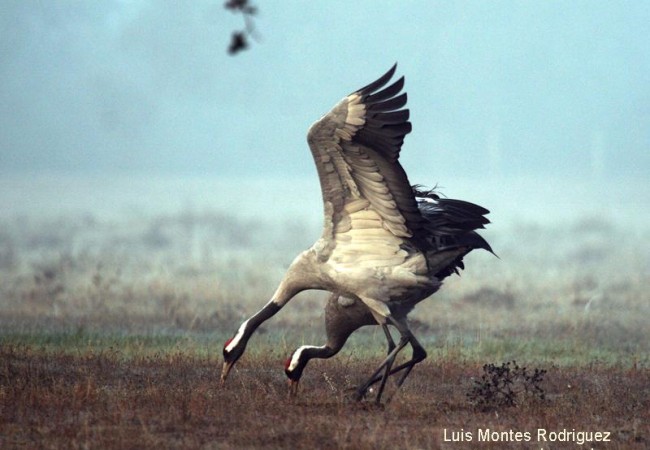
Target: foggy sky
513 88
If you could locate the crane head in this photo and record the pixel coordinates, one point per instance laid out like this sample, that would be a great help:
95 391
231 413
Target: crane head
232 351
234 347
293 367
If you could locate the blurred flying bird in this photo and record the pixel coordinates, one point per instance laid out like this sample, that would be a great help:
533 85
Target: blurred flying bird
385 243
239 39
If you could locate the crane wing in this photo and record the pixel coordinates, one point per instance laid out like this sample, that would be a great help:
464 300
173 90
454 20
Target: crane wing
356 149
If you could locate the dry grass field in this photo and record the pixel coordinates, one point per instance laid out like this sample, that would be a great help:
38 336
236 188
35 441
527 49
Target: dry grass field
169 398
111 331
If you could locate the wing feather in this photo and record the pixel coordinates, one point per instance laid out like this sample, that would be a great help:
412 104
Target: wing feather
390 118
388 92
380 82
356 149
390 104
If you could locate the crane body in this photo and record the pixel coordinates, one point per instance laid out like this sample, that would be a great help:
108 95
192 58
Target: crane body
385 243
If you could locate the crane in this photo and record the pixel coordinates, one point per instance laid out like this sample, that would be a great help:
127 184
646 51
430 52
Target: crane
378 245
344 315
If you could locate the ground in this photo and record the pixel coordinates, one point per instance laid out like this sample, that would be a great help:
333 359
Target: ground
111 329
157 394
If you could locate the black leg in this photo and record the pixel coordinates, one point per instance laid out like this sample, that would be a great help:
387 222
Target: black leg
361 392
418 355
389 338
389 365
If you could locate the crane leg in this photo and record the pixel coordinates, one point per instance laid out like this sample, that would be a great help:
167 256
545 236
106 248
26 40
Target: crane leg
418 355
386 363
387 369
389 338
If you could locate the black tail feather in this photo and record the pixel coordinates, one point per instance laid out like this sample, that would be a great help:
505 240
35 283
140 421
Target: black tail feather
451 224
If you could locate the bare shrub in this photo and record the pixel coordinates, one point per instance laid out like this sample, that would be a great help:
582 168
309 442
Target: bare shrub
505 386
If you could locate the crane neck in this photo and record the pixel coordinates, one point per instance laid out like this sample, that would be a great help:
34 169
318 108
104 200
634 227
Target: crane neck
303 274
248 327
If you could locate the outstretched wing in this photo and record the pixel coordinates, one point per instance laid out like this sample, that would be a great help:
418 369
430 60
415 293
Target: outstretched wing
356 148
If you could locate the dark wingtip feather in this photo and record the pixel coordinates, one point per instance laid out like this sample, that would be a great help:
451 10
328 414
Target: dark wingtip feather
389 105
385 93
386 124
378 82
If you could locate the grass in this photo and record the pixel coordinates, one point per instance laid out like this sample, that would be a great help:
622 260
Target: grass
165 394
366 343
111 334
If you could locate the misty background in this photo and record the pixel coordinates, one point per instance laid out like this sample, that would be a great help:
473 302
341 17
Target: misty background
151 181
537 110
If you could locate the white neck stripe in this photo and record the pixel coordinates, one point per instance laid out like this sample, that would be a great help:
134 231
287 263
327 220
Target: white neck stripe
296 356
238 337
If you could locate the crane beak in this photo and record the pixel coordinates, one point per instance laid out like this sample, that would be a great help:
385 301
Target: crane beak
225 371
293 388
